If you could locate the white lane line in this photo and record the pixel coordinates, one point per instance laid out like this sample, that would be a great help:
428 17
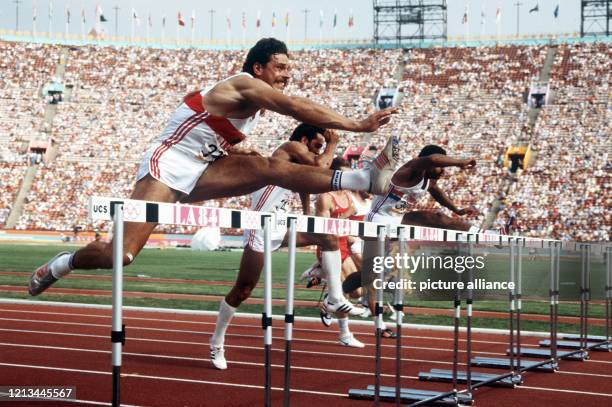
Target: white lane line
586 374
586 393
136 328
172 379
315 353
232 362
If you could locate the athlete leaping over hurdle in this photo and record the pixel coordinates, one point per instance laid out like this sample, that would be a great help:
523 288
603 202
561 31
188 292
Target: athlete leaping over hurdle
304 147
408 183
194 158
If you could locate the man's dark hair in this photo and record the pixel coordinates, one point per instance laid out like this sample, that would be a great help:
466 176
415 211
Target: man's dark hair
338 163
305 130
431 149
262 51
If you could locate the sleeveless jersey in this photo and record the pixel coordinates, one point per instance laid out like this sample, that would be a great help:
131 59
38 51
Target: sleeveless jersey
397 199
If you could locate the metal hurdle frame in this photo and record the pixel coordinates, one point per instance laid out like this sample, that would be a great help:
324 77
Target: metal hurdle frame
608 295
289 316
266 318
118 329
126 210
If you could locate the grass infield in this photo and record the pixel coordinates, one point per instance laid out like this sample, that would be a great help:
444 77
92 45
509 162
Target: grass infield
193 270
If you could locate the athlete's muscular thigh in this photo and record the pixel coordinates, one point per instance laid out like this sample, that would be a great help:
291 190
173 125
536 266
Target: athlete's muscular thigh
147 189
232 175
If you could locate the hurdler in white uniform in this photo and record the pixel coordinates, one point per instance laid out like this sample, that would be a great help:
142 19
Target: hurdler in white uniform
268 199
192 139
390 207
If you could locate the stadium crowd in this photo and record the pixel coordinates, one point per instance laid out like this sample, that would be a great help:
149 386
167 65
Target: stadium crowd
469 100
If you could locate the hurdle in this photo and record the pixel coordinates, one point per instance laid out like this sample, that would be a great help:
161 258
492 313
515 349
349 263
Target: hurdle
126 210
583 342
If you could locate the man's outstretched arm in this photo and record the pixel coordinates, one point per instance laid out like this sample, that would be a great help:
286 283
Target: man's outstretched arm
444 200
264 96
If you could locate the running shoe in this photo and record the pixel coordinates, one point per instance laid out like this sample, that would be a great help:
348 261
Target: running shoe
343 305
42 278
351 341
217 357
383 167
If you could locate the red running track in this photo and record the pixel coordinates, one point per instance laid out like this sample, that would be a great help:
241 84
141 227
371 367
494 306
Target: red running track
165 361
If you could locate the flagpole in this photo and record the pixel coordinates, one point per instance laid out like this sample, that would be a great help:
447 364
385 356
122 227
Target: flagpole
212 12
192 26
518 5
34 17
483 21
305 11
132 27
50 17
467 20
228 32
320 26
67 22
148 30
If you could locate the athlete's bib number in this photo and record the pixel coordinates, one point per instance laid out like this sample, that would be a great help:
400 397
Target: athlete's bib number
210 152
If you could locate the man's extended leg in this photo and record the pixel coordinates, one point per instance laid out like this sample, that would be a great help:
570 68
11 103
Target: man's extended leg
331 264
434 219
239 174
251 265
100 254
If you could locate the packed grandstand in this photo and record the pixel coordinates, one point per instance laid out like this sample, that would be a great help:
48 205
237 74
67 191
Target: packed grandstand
471 100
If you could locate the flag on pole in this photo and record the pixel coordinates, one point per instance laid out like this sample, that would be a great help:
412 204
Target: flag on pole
135 17
273 19
243 20
498 14
464 19
535 9
556 12
181 20
100 13
192 18
229 20
83 15
67 15
258 23
34 11
335 18
164 21
150 21
320 18
287 19
482 16
350 20
50 10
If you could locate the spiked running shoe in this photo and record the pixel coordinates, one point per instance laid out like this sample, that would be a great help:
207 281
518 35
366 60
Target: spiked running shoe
217 357
42 278
351 341
383 166
343 306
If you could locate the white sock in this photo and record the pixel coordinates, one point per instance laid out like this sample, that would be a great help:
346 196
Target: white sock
61 266
358 180
331 264
343 324
226 312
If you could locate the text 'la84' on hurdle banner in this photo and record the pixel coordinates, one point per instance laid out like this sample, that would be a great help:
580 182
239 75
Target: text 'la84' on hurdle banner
101 209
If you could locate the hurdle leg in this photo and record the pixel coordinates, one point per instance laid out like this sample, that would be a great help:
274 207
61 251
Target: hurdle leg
118 332
399 308
266 321
289 308
608 294
382 233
